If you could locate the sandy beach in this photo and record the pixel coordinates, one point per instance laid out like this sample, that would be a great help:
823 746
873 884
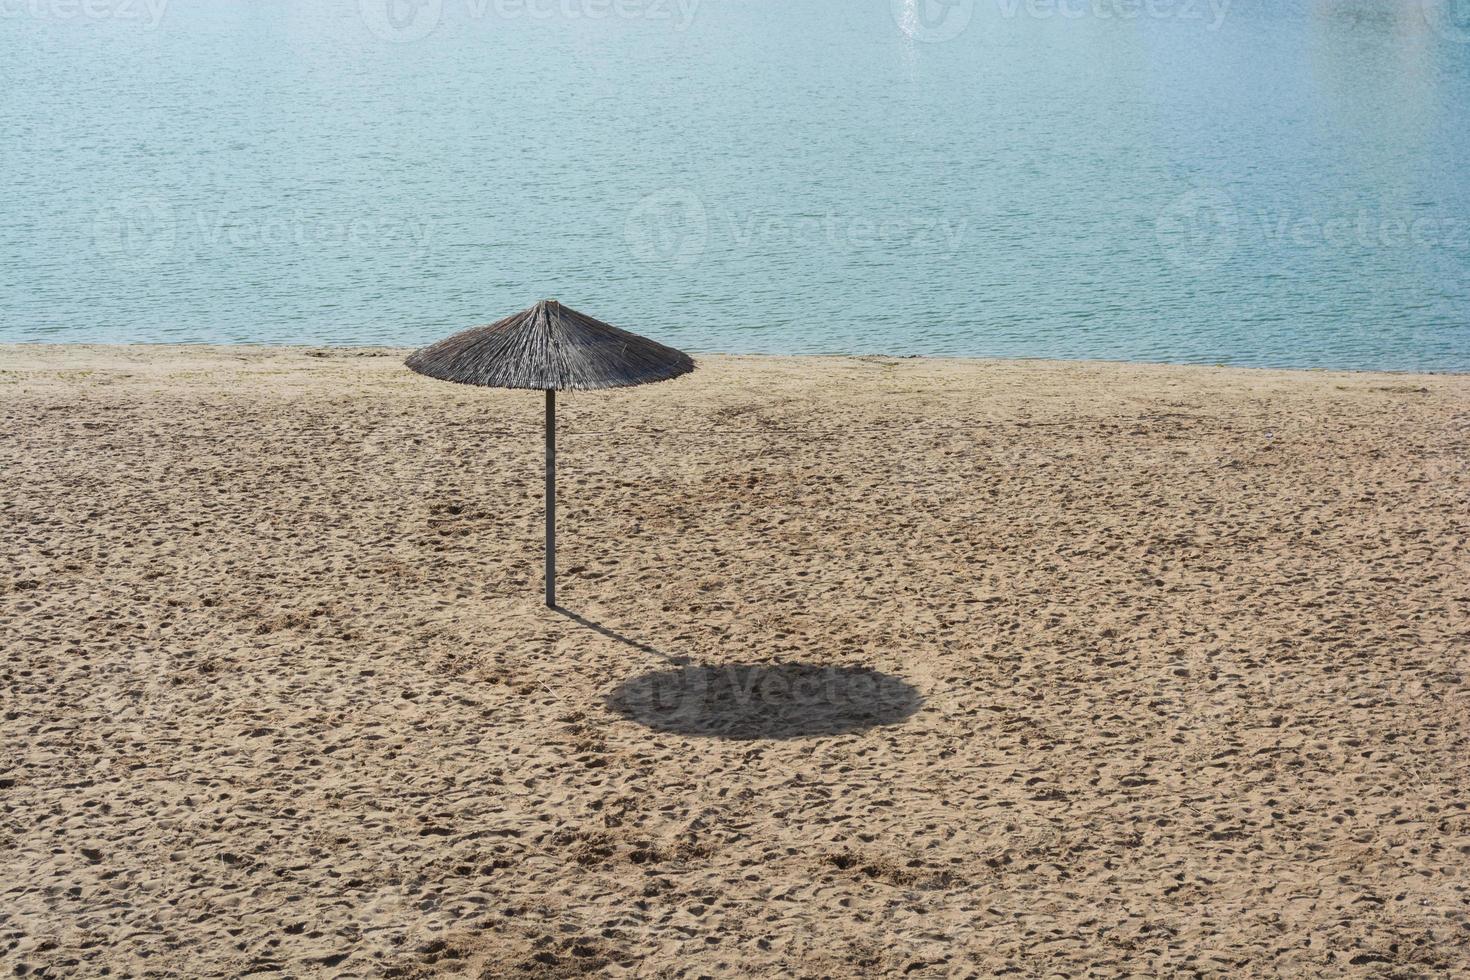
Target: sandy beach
869 667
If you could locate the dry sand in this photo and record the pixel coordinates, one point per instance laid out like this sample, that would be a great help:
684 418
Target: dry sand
924 668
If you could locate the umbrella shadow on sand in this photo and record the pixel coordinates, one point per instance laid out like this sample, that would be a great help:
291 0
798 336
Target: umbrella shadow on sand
757 701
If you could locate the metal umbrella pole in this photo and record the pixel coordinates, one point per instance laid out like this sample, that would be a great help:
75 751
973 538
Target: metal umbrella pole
550 348
551 498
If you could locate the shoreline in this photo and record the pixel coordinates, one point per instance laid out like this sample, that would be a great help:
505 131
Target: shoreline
374 350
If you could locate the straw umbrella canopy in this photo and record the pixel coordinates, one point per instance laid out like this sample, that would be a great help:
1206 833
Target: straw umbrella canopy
552 348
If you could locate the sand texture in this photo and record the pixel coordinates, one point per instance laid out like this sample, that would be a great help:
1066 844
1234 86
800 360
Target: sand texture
871 667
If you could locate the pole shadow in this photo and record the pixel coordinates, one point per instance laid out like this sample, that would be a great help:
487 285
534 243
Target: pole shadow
601 630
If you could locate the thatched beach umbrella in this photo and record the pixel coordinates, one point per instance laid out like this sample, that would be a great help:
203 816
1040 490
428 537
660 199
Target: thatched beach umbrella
551 348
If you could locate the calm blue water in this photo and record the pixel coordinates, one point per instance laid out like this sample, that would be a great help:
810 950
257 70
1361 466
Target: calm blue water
1263 182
